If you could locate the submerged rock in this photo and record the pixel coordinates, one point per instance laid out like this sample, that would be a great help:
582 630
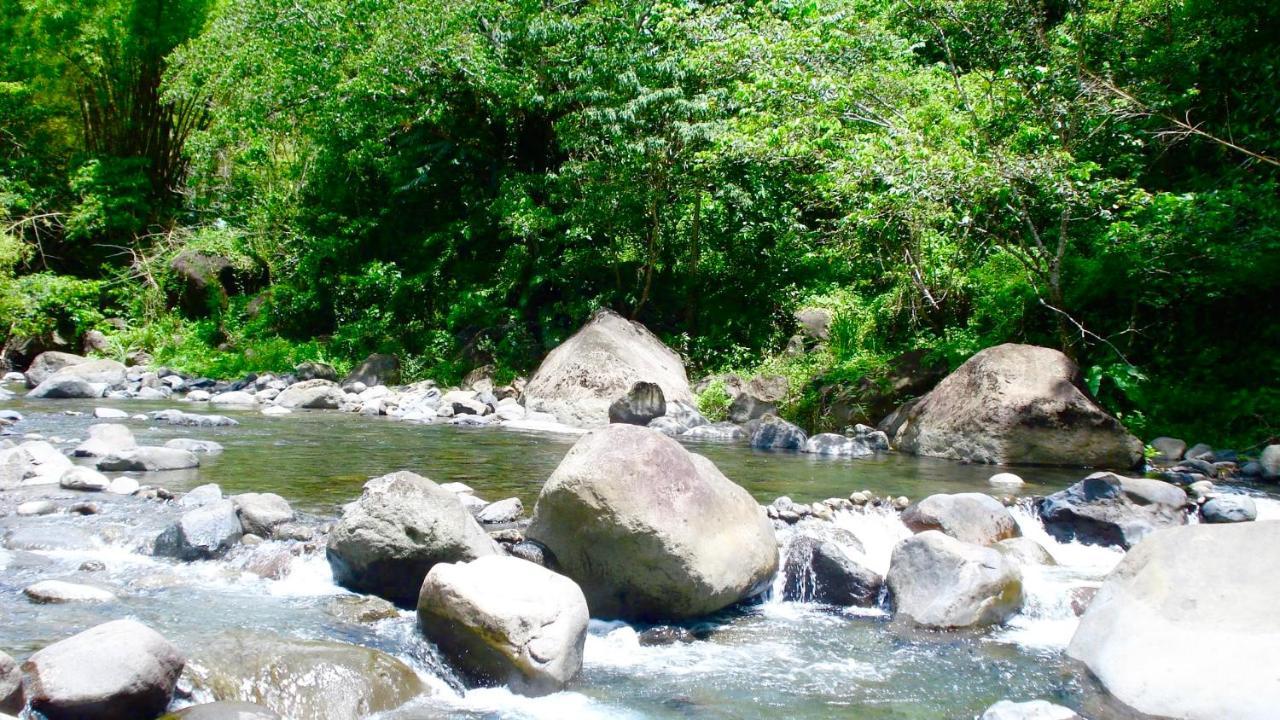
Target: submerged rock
1186 626
177 417
106 439
208 447
121 670
651 531
58 591
602 361
1033 710
1013 404
969 517
303 679
224 711
1106 509
503 620
818 570
401 526
940 582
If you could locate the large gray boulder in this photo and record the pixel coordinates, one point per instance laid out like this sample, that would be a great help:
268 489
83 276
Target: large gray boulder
580 379
642 404
939 582
149 459
68 387
1185 626
1107 509
506 621
316 394
773 433
1016 404
47 363
121 670
377 369
651 531
34 462
303 679
969 517
207 532
106 439
402 525
818 570
87 379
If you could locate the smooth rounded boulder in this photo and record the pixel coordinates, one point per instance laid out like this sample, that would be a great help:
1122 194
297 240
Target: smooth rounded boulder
1107 509
149 459
1030 710
939 582
650 531
316 394
506 621
1185 626
580 379
302 679
229 710
105 439
402 525
377 369
968 517
46 364
1016 404
121 670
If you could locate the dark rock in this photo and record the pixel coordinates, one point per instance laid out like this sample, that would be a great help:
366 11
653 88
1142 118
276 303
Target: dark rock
819 571
377 369
1106 509
774 433
666 635
868 400
814 323
641 405
535 552
316 371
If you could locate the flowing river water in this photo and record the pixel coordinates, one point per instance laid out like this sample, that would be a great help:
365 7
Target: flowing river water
773 659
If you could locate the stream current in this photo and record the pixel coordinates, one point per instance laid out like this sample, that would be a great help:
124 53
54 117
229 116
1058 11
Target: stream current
772 659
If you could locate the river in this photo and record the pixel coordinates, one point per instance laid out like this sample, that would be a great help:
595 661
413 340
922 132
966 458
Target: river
774 659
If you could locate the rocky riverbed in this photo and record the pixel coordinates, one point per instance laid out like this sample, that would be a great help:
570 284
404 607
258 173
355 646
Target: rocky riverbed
276 604
588 544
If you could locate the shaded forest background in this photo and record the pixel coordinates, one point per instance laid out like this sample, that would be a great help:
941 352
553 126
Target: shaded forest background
233 185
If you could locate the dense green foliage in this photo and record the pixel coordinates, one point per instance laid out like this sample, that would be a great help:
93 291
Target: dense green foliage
462 182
